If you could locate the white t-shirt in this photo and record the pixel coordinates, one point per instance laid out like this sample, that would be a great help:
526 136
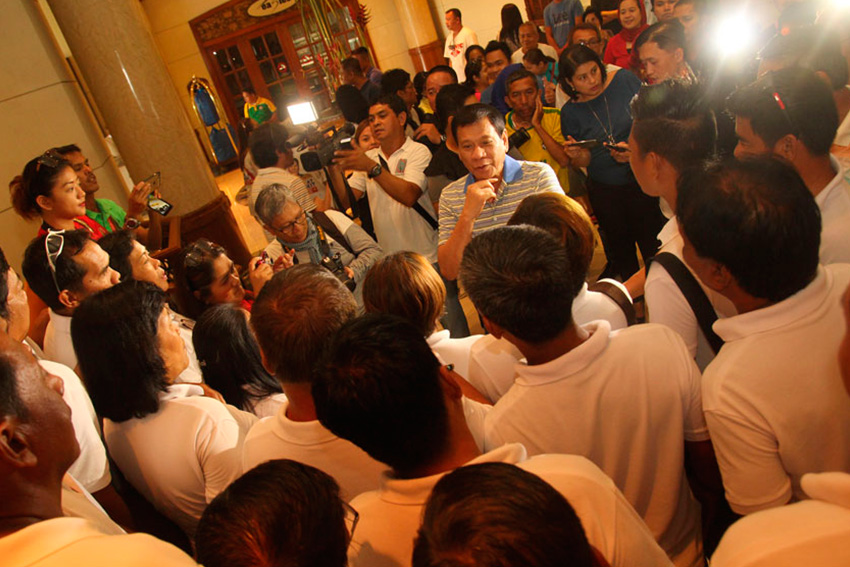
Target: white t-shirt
452 351
666 304
64 542
628 401
773 397
390 516
812 532
182 456
455 50
77 502
91 469
548 51
58 346
834 203
310 443
192 374
492 361
398 227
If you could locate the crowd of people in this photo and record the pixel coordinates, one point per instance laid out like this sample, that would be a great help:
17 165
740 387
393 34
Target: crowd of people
326 404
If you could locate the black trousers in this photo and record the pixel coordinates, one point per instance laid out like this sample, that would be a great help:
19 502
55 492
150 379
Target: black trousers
627 216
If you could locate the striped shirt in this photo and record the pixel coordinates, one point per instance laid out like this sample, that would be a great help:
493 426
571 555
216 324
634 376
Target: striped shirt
519 180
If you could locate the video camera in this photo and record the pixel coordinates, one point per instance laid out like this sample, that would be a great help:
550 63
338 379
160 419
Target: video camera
326 142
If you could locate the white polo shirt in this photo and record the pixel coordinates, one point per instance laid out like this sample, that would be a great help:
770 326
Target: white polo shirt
628 401
58 346
398 227
812 532
834 203
492 361
390 516
182 456
310 443
774 399
452 351
666 304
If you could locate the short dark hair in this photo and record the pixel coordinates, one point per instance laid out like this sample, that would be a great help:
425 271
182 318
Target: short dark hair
68 149
230 357
571 59
4 286
360 51
498 515
519 75
352 65
535 56
589 10
756 217
294 317
498 46
11 404
36 181
456 12
279 513
119 246
521 278
115 337
265 141
441 69
69 274
394 80
471 48
197 261
393 101
669 35
352 103
563 218
809 111
674 120
469 115
586 27
248 89
449 101
379 387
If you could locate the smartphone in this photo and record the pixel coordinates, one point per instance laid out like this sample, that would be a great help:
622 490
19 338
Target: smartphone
264 258
345 144
159 205
616 148
587 144
155 179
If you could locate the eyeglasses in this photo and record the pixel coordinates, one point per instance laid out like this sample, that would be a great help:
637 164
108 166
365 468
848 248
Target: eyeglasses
54 243
352 516
290 225
590 42
50 158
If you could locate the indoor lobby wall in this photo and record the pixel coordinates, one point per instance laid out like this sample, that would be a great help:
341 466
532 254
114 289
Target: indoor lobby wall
40 107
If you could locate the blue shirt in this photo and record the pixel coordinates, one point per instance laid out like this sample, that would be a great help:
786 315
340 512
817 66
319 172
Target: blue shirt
561 17
497 96
594 119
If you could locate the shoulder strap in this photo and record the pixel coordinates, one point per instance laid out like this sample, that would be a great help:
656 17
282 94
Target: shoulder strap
331 229
694 294
416 206
617 296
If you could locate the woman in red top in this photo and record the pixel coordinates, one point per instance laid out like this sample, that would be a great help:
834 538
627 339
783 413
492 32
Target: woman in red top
619 50
49 188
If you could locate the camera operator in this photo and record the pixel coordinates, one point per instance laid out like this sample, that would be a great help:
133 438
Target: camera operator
533 130
327 238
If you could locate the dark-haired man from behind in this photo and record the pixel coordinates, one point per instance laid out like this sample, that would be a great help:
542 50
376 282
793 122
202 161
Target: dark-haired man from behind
673 128
790 113
773 397
382 388
372 73
294 317
353 74
37 446
574 378
496 183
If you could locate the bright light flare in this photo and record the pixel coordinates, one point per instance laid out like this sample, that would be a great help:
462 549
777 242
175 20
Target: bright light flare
735 34
302 113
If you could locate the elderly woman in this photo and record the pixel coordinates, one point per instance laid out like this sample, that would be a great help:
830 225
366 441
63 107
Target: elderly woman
178 448
326 238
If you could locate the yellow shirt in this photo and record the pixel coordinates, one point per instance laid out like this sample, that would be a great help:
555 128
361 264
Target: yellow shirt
534 150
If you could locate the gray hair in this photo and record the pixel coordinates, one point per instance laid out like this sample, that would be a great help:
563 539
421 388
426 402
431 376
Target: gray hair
271 201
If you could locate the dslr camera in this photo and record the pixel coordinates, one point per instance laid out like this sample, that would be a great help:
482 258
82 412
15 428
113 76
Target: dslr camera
334 265
518 138
326 143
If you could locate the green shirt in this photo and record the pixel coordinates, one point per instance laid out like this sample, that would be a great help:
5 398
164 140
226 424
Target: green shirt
107 210
260 111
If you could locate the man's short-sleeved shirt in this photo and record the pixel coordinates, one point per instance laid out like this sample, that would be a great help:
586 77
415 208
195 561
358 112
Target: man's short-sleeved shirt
548 51
456 49
260 111
535 150
398 227
109 214
519 180
834 204
561 17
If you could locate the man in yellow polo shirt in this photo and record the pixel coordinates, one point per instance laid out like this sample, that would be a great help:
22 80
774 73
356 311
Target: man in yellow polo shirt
257 108
544 141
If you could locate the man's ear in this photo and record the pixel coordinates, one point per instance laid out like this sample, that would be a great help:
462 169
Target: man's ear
505 139
787 147
492 327
14 446
267 364
451 142
69 299
679 54
717 277
402 118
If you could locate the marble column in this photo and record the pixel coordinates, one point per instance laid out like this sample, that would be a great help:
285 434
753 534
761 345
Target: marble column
112 43
426 49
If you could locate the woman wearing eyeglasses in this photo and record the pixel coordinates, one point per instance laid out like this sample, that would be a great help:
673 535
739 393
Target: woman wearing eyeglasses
49 188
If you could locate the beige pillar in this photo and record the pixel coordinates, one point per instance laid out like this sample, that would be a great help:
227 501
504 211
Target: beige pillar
113 46
426 49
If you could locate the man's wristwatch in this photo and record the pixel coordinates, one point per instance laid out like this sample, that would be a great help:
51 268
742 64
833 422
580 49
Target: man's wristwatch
131 223
375 171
